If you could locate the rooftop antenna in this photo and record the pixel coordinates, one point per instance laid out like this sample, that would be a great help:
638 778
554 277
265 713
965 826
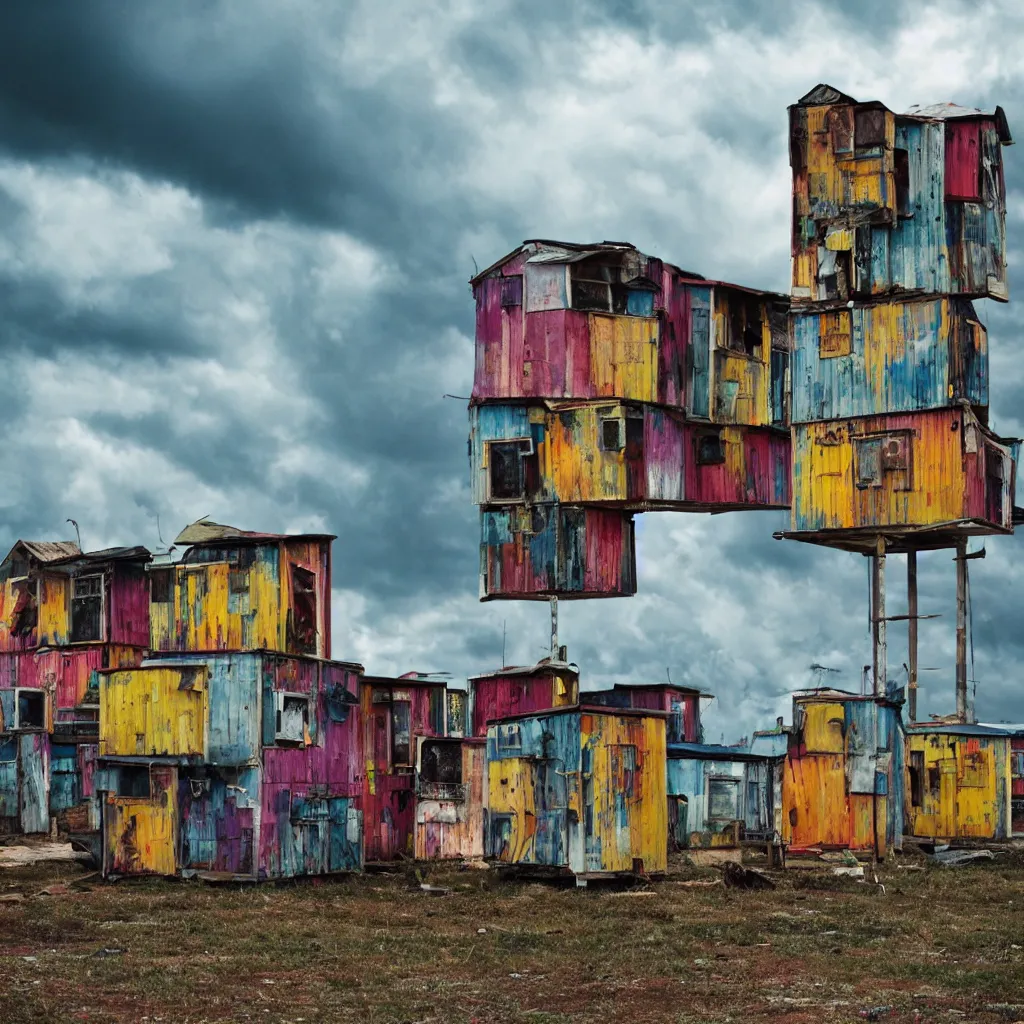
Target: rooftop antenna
819 672
476 269
77 533
503 621
668 674
159 535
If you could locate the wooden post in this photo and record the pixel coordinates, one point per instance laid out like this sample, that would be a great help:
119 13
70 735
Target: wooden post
878 617
554 629
961 631
912 634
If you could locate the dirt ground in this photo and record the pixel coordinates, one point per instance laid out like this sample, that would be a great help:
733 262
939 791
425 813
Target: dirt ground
939 944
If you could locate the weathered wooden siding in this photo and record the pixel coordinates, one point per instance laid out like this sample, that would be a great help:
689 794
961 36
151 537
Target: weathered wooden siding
579 789
389 791
503 694
920 207
843 777
693 771
964 788
140 835
153 711
237 598
945 481
450 818
682 706
894 357
311 819
557 550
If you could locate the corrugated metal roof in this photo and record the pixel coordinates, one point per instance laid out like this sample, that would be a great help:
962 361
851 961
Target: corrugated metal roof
544 665
205 531
955 112
955 729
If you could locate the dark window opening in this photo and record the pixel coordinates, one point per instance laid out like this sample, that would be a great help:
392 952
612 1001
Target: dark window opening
303 615
160 586
510 469
26 609
710 450
441 762
611 435
87 609
31 710
512 291
916 778
401 740
238 581
869 127
934 782
902 170
745 321
592 288
993 485
723 799
133 782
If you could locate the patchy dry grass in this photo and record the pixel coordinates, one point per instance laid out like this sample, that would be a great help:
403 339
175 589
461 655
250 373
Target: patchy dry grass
938 945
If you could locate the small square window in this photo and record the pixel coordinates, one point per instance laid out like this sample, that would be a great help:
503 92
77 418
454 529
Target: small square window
292 722
512 291
133 782
869 127
441 762
507 469
883 460
160 586
710 450
30 709
612 439
723 799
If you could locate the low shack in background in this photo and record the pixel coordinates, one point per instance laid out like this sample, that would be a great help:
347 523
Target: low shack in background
680 703
515 690
450 772
64 614
578 789
719 796
959 782
396 714
843 781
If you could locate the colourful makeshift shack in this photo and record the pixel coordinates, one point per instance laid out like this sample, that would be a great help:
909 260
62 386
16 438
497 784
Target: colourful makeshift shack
238 590
577 789
396 713
450 773
609 382
515 690
63 616
244 765
843 781
719 796
959 781
680 703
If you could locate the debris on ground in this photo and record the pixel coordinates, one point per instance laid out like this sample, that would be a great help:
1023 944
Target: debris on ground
735 876
22 856
875 1012
956 858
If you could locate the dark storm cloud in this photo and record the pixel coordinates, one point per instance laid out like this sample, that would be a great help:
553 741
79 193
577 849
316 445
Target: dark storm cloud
250 108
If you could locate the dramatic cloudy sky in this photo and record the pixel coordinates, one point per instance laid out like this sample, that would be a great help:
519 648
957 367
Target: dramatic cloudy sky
234 246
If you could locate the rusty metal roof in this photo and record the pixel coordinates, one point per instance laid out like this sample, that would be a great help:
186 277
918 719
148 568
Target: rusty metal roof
955 112
205 531
543 666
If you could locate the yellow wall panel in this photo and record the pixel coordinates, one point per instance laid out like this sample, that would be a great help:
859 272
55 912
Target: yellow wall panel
624 356
145 712
140 836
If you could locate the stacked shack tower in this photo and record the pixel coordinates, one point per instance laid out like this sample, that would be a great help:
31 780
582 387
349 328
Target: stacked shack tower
609 382
898 224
